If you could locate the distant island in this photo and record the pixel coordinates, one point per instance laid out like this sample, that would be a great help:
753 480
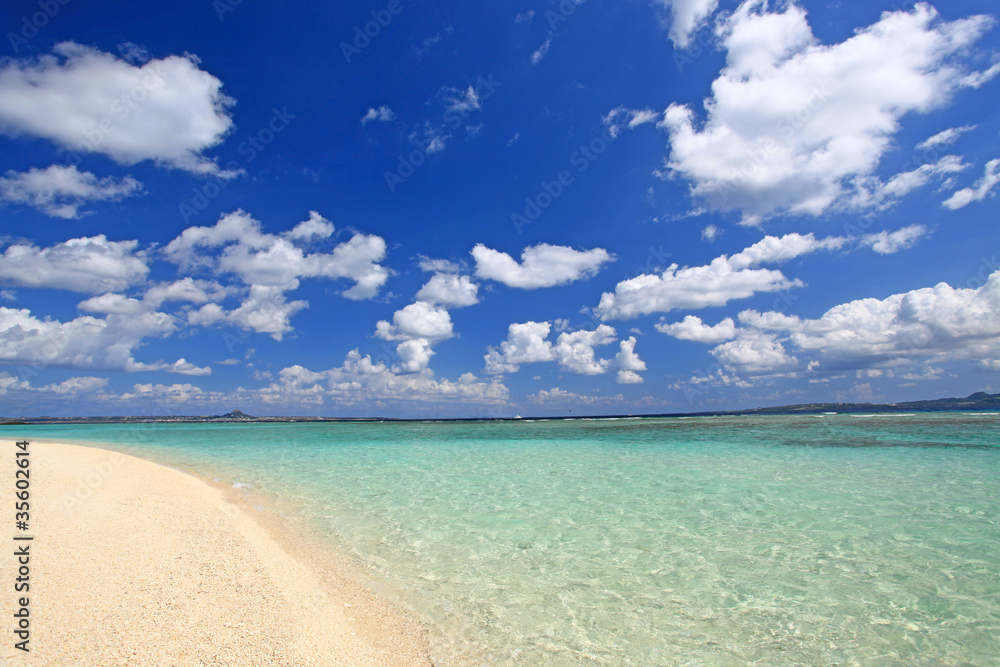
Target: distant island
979 401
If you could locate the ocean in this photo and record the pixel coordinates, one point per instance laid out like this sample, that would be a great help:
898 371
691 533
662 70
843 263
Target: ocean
812 540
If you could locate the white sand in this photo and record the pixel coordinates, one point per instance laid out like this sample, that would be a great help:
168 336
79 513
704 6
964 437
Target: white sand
134 563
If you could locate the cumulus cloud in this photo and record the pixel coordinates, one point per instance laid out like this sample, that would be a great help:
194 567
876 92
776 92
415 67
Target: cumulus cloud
417 320
715 284
119 304
527 343
692 328
414 355
686 16
557 396
265 309
419 326
360 381
270 265
575 350
92 264
542 265
383 114
449 290
165 110
69 388
926 325
981 190
88 342
186 289
628 363
792 122
60 191
754 352
76 385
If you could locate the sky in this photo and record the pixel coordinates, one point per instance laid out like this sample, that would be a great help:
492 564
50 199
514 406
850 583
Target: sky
411 209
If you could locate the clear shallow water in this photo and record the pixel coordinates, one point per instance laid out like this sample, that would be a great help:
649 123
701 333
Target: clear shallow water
705 541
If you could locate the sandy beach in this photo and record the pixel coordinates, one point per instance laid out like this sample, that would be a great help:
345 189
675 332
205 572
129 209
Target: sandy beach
134 563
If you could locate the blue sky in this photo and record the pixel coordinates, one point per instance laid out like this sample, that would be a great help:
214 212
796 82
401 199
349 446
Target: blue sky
396 209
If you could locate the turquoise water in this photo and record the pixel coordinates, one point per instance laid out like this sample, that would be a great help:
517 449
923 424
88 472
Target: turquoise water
706 541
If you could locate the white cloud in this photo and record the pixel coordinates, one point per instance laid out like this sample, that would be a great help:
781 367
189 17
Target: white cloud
542 265
792 122
539 53
361 381
69 388
527 343
945 137
628 363
313 228
434 140
710 233
461 102
692 328
186 289
449 290
437 265
60 191
686 17
383 114
91 264
982 189
414 355
86 342
526 17
620 117
166 110
207 315
119 304
715 284
931 324
754 351
417 320
559 396
271 265
265 310
886 243
425 322
575 350
872 193
76 385
977 79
